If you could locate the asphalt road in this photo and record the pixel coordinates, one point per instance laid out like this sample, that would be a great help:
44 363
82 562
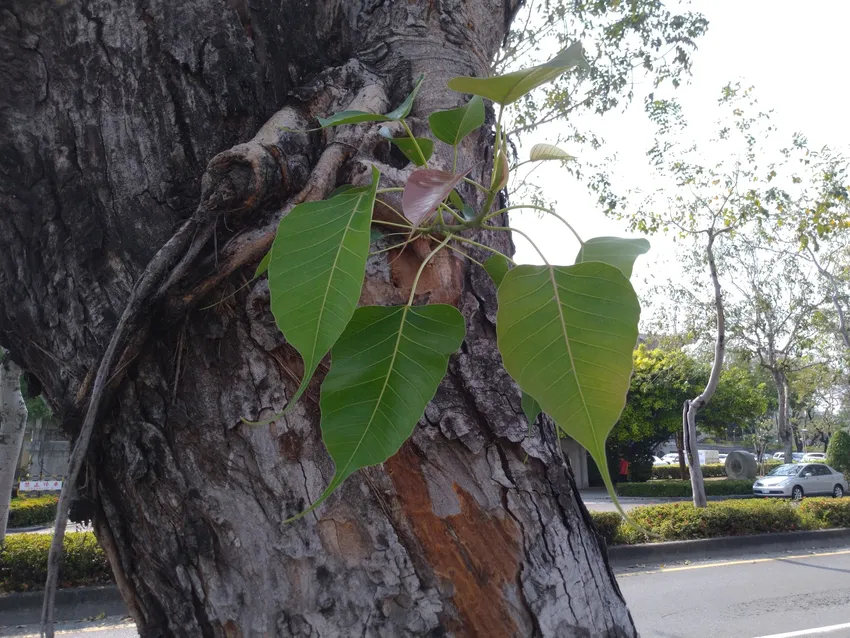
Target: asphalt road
752 598
110 627
787 596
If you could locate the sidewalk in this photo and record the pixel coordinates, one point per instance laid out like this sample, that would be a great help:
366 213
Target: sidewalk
48 529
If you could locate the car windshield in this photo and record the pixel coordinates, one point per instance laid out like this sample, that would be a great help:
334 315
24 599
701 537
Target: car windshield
785 470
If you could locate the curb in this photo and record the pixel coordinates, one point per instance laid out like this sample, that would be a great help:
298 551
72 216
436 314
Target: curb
726 546
25 530
24 608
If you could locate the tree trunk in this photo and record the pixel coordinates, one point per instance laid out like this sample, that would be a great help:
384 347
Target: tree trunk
782 425
13 424
691 408
114 110
690 430
680 448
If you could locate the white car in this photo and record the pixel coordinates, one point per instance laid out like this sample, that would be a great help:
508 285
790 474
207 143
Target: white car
656 461
672 458
722 457
779 456
796 480
814 456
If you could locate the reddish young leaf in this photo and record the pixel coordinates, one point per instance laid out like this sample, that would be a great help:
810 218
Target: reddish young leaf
424 191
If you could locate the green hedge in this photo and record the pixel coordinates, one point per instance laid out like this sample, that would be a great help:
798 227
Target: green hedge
823 513
23 562
711 470
683 488
608 525
28 512
682 521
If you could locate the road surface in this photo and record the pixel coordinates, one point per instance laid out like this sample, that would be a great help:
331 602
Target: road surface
788 596
752 598
110 627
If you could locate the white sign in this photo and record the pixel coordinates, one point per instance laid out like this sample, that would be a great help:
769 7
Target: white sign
40 486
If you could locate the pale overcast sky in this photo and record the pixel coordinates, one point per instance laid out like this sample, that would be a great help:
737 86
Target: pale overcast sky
793 53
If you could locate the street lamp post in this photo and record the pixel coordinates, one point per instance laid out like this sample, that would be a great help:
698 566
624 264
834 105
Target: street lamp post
803 432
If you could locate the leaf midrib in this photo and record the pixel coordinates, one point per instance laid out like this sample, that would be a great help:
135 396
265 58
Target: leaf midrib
331 278
460 127
570 354
390 369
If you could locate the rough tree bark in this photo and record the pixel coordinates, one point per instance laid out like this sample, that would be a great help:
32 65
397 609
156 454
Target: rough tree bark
13 424
130 126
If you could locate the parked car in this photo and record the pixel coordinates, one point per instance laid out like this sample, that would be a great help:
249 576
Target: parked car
795 481
672 458
722 457
814 456
658 461
797 457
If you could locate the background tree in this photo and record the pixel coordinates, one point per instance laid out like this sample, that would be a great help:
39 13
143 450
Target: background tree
704 202
13 423
838 452
148 154
662 380
773 319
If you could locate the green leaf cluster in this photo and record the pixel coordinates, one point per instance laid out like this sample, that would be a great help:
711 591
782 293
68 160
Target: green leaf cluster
566 332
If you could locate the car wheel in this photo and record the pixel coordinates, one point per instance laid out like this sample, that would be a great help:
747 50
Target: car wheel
797 493
837 491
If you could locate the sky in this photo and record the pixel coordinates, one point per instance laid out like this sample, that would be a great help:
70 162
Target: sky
795 56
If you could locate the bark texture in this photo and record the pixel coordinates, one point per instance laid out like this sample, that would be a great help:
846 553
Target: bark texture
13 424
130 126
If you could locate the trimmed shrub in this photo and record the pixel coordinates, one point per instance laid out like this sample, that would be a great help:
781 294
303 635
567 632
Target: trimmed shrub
683 488
824 513
28 512
23 562
607 524
838 451
710 470
683 521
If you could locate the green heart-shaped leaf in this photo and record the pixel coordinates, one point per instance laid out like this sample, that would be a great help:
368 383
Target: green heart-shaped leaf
356 117
566 335
530 408
497 267
404 108
351 117
318 261
412 151
541 152
505 89
617 251
385 369
453 125
264 265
